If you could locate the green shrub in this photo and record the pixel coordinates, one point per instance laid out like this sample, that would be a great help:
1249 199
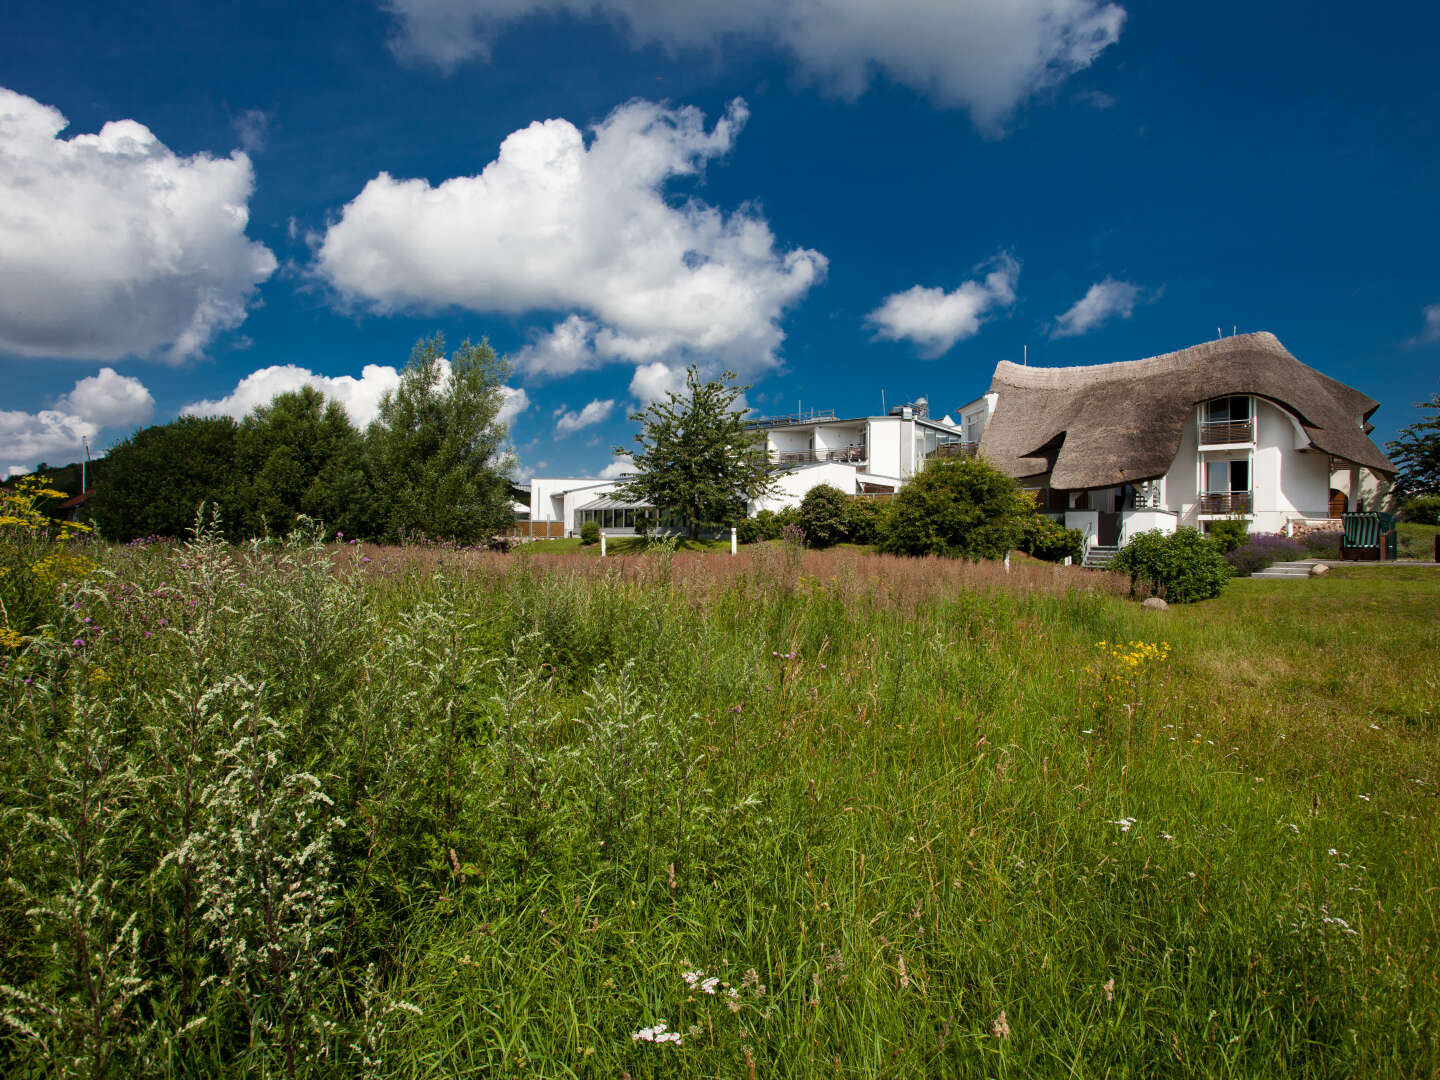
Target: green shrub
590 533
1421 508
1229 534
866 519
963 508
1045 538
767 525
1180 568
824 515
747 531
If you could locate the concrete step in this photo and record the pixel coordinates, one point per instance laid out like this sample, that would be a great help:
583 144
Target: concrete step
1284 570
1097 557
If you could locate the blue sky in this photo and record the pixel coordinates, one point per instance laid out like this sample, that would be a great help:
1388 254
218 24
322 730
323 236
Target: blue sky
835 198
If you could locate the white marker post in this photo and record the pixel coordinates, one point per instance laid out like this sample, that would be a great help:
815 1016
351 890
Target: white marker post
1007 562
602 545
732 539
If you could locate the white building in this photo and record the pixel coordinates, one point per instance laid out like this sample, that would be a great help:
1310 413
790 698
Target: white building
1232 428
866 455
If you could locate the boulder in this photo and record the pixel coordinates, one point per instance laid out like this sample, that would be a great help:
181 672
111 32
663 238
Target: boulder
1155 604
1319 569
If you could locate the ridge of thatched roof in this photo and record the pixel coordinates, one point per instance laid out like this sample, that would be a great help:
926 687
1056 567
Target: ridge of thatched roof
1110 424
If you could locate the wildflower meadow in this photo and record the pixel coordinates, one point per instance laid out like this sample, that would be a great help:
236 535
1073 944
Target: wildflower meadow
314 808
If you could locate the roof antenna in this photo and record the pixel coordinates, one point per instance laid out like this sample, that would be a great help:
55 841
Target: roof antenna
1218 334
882 403
1232 329
1025 356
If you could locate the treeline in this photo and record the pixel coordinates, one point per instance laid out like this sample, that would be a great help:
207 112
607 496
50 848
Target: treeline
432 462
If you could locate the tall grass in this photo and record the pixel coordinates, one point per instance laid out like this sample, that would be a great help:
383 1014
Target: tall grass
299 810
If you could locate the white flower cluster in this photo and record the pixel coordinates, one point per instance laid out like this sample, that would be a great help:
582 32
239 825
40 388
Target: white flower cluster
697 979
1125 823
657 1034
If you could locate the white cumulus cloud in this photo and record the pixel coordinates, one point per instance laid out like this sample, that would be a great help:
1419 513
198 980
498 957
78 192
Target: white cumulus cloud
597 412
109 399
51 436
623 465
1103 301
1430 332
559 223
360 398
935 320
113 245
57 436
651 382
985 55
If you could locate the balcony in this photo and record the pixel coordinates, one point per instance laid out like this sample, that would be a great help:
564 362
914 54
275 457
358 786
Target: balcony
1226 502
954 450
1226 432
849 455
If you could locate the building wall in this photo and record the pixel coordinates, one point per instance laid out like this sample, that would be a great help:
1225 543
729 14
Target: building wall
1287 482
883 435
839 436
790 440
792 485
1179 491
556 498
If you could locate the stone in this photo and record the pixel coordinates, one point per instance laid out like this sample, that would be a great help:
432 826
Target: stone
1319 570
1155 604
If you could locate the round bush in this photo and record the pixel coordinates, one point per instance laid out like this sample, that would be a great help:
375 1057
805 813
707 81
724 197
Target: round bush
1180 569
961 507
824 515
590 532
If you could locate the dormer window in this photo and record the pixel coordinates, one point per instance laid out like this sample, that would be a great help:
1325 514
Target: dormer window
1227 420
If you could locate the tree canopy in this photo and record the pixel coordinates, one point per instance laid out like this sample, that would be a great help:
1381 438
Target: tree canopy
156 479
696 459
436 449
961 507
300 455
1416 452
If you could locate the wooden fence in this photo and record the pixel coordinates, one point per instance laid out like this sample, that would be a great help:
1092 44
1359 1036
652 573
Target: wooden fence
537 530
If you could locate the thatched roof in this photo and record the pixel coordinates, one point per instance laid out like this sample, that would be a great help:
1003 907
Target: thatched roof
1112 424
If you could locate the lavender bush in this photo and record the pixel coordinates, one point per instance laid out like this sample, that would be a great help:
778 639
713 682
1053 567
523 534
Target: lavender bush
1262 550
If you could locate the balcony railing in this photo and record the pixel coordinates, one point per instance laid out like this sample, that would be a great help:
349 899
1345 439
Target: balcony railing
851 455
1226 502
955 450
811 416
1222 432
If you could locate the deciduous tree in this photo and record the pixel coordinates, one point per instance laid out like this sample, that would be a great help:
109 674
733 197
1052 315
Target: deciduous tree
1416 452
696 458
437 448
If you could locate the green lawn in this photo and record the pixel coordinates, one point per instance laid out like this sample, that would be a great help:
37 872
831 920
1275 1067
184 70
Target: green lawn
1417 541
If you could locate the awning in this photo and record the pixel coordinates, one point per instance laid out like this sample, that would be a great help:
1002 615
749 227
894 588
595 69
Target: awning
608 502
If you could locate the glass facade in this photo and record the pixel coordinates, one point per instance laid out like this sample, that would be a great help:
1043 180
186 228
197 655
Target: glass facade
624 518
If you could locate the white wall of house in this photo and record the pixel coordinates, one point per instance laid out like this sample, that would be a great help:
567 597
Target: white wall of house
892 445
556 498
790 440
1135 522
792 485
1287 482
839 436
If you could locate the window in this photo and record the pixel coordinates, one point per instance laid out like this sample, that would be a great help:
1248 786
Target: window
1227 410
1222 476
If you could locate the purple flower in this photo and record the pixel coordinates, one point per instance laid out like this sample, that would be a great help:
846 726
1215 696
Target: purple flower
79 643
87 620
